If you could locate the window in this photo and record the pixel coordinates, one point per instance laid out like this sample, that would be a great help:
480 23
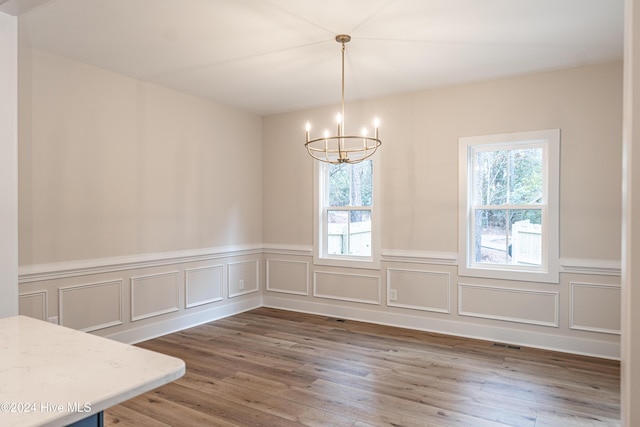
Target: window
346 226
509 206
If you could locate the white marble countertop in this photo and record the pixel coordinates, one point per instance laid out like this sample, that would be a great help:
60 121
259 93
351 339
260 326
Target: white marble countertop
53 376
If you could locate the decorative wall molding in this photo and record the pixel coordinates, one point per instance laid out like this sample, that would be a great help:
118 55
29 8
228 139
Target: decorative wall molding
237 273
210 273
302 277
97 310
160 295
389 255
40 299
365 290
345 286
421 291
597 302
597 267
420 257
553 296
39 272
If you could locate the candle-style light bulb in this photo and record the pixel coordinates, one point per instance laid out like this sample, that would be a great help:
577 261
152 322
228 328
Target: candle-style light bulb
308 128
364 132
326 141
376 123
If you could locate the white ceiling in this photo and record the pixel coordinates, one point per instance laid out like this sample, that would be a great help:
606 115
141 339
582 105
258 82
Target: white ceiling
270 56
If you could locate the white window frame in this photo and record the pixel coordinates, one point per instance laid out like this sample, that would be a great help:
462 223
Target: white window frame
548 271
320 255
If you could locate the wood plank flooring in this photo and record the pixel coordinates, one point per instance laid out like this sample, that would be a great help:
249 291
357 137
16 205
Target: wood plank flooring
270 367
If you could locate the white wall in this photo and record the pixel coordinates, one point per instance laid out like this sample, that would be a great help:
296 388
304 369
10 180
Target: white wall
419 174
112 166
8 165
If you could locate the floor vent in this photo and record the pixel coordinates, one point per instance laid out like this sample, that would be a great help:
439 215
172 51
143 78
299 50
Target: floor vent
509 346
333 319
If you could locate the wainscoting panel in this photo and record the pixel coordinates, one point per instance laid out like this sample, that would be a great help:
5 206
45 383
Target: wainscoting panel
347 287
289 277
203 285
595 307
513 305
154 295
243 277
419 290
34 304
92 306
144 286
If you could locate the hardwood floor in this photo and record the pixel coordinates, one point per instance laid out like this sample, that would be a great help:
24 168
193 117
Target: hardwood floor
270 367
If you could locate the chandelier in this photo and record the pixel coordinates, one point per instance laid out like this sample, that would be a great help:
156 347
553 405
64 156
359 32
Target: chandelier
342 148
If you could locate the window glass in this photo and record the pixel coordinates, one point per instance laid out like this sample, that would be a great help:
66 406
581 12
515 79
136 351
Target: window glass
349 232
509 177
350 185
519 243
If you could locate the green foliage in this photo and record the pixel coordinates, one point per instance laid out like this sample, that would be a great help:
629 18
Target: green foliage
508 177
351 185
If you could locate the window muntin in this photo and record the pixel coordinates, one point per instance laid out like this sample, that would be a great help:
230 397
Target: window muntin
509 206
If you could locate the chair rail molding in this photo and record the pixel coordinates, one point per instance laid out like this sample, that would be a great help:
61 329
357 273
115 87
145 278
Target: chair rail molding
39 272
597 267
420 257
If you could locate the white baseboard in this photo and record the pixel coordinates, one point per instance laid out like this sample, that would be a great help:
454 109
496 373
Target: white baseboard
468 330
189 320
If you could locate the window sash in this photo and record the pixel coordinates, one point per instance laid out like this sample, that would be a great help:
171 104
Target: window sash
321 200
